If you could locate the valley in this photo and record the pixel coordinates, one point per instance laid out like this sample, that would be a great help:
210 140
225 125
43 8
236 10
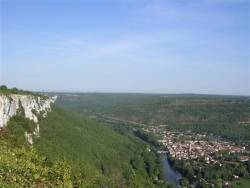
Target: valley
125 140
208 147
124 94
90 154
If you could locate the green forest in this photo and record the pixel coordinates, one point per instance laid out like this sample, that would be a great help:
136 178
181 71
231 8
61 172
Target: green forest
224 116
81 146
103 156
74 151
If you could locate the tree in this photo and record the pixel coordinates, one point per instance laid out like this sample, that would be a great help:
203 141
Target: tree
184 182
3 87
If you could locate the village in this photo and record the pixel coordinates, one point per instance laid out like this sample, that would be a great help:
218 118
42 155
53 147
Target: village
188 145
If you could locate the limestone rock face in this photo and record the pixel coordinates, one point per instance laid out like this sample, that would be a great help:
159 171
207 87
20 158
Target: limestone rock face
31 105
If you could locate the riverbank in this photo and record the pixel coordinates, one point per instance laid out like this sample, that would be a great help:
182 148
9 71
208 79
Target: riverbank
171 175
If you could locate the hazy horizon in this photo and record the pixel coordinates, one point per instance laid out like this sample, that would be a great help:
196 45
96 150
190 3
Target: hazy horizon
133 46
133 92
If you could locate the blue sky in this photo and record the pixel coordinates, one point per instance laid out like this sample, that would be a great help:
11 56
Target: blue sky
152 46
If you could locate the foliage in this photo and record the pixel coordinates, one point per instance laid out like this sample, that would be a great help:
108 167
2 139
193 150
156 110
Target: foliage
242 183
225 116
16 128
7 91
210 174
23 166
149 138
72 151
102 156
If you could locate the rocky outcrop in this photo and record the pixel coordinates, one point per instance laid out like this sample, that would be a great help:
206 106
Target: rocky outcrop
32 107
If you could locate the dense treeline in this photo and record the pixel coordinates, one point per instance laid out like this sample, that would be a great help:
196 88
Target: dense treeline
213 175
152 160
226 116
91 154
149 138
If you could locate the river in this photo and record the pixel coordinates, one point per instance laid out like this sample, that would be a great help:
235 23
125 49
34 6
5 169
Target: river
171 176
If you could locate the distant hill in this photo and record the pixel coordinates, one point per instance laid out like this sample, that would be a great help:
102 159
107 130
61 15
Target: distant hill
225 116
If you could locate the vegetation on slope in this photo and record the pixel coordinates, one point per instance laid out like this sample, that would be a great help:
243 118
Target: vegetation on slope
73 151
24 166
103 156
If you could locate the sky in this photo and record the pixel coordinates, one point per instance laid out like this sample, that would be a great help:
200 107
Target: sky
145 46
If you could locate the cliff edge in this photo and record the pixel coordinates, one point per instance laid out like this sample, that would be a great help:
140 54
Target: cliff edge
31 106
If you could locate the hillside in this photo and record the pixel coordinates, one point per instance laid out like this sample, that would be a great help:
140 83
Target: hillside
204 160
71 151
24 166
103 156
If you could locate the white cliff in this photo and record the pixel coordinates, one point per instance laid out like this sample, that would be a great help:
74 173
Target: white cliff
31 105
